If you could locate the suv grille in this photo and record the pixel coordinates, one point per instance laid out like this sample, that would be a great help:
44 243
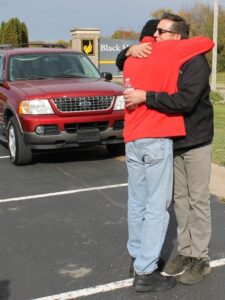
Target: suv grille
67 104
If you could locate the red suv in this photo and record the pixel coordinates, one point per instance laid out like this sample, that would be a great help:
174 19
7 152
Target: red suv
56 98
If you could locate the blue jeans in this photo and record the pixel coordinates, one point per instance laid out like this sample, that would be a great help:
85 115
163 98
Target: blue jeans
150 180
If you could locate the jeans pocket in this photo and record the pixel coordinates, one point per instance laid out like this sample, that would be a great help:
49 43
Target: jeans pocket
154 151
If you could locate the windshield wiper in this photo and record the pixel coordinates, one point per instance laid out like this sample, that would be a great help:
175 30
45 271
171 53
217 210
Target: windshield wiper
33 77
37 77
68 76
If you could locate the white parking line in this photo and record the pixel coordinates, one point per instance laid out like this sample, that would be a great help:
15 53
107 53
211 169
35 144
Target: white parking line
4 156
107 287
97 188
90 291
217 263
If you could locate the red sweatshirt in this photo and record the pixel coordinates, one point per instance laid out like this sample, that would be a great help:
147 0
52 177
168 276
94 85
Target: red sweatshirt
159 72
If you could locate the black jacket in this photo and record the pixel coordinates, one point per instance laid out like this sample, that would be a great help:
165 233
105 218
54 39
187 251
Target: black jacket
192 100
121 57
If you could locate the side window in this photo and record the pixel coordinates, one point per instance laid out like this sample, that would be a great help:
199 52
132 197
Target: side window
1 67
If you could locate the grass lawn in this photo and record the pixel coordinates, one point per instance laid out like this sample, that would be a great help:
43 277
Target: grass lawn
219 136
220 80
220 77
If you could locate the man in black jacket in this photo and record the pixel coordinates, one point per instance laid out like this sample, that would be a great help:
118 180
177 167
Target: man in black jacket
192 155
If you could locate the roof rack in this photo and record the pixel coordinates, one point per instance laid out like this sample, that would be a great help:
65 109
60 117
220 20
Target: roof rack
45 45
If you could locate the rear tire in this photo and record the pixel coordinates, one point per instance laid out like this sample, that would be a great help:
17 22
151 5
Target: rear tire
20 152
116 149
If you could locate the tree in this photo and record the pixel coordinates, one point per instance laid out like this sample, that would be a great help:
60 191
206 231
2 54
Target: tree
200 18
13 32
24 33
17 28
157 14
125 34
62 42
9 34
1 30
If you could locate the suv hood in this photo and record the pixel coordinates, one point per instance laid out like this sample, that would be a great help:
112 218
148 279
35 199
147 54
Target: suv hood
50 88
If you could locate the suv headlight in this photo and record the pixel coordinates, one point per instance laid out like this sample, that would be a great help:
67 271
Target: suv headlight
35 107
119 104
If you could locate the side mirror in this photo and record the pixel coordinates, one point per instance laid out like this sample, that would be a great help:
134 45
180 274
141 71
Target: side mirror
107 75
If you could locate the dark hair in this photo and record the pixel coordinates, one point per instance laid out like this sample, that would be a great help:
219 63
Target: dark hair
149 28
179 25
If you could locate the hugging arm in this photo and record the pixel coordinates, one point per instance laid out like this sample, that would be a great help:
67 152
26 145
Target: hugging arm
193 83
140 51
121 58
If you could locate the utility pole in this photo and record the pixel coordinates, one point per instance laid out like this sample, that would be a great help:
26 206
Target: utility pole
214 54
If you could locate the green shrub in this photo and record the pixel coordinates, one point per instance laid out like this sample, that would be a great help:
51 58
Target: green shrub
216 97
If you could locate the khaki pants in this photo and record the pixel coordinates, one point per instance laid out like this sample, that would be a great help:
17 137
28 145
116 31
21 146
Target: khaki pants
192 170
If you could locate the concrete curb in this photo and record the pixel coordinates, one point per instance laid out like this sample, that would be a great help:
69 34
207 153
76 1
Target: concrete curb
217 183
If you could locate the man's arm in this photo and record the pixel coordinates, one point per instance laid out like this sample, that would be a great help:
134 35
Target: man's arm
193 82
139 51
121 58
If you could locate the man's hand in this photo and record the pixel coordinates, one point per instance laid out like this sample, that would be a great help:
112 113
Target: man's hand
134 97
140 50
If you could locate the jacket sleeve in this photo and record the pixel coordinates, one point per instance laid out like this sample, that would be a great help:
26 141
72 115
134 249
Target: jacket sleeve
187 48
193 82
121 58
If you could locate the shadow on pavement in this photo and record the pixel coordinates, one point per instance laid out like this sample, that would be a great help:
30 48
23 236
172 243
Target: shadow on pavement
4 289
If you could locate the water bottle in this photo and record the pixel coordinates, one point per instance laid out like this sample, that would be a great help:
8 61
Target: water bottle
128 87
128 84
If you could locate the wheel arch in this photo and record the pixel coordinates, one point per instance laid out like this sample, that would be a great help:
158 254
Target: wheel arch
8 114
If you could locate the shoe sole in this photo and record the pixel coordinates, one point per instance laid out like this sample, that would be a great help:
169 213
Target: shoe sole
167 274
185 268
141 288
145 290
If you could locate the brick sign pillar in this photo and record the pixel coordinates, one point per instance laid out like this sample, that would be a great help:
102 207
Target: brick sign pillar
86 40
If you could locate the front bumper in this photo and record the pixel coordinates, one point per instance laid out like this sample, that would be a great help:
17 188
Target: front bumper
69 140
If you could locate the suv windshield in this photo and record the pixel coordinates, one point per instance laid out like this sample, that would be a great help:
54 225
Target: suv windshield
51 65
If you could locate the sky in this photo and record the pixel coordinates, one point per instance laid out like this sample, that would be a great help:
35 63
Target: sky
53 20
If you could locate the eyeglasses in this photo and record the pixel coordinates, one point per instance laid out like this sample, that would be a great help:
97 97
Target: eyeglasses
161 31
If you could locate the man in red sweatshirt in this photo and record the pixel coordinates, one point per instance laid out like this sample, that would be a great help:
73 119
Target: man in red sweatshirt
148 136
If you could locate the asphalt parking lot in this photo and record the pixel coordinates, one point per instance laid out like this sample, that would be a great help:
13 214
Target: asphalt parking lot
63 229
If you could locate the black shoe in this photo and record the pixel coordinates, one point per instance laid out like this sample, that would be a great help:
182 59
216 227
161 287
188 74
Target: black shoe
153 282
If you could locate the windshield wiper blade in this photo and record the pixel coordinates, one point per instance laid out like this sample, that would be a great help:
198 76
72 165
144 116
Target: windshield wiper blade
31 77
68 76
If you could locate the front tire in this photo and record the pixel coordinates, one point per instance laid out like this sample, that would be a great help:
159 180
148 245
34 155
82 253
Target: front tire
20 152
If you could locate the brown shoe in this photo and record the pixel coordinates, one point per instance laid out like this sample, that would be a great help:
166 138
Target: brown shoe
178 265
199 269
